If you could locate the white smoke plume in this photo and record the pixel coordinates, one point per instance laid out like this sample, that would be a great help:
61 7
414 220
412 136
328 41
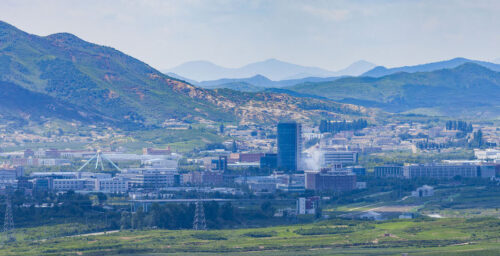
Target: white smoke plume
314 159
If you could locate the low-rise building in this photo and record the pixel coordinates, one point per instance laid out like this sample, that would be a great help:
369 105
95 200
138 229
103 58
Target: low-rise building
205 178
149 178
11 173
112 185
487 154
371 215
156 151
307 205
423 191
269 160
250 157
330 180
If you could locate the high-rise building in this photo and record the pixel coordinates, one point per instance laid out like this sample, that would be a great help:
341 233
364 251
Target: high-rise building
289 145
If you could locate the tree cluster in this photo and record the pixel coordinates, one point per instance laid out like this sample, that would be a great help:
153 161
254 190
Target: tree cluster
459 126
433 145
337 126
477 141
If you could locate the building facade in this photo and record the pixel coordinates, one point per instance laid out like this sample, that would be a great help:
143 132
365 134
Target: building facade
441 171
389 171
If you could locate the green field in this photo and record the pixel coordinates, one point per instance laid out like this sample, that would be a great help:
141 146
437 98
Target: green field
478 236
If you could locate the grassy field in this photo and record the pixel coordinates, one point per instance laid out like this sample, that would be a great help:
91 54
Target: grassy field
479 236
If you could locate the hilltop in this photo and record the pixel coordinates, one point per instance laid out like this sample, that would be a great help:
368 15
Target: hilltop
380 71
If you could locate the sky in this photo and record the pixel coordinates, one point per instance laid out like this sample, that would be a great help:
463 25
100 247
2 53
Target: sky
329 34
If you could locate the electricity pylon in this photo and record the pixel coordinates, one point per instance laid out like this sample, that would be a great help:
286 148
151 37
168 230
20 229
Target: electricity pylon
199 222
8 224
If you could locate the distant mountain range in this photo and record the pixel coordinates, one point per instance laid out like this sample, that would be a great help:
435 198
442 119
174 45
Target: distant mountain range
453 63
64 77
468 90
261 82
273 69
258 83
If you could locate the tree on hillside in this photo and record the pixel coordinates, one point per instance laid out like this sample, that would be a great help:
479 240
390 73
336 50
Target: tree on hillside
477 140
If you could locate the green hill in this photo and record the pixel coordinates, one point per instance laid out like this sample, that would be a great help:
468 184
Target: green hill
70 69
122 89
467 90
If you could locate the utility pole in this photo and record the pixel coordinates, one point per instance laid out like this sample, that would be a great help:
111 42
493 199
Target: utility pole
199 222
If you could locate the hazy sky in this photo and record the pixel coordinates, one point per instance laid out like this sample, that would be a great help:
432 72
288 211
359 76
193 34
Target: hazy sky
329 34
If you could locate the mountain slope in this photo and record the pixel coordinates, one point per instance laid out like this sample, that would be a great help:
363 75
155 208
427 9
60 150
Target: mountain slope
101 80
453 63
469 89
20 103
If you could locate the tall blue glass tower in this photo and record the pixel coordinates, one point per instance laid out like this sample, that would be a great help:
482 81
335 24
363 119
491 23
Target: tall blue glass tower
289 145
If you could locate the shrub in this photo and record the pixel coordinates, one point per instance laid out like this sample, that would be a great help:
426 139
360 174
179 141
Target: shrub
208 236
323 231
260 234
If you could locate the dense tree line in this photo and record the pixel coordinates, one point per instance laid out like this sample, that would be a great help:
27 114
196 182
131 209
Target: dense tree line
459 125
476 141
49 208
337 126
178 216
426 144
433 145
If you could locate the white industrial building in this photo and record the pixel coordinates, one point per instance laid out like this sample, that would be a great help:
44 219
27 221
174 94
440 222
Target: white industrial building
332 156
